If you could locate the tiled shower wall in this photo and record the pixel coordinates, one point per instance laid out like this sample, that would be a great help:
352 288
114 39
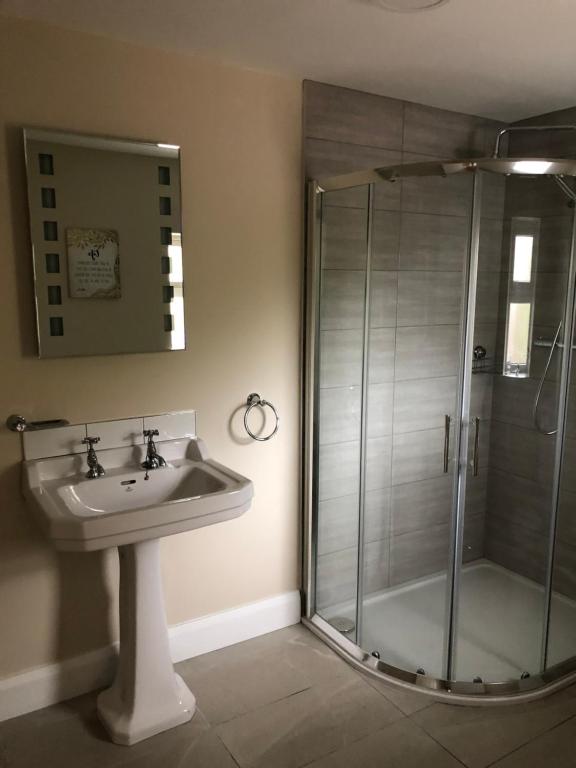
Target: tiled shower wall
420 235
522 459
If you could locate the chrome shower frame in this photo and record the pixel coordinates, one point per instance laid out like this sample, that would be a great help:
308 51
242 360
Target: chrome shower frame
478 693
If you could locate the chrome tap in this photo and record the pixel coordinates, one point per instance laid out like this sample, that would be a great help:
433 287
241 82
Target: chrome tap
153 459
95 468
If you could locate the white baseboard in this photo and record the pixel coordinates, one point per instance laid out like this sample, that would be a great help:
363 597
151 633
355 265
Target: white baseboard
52 683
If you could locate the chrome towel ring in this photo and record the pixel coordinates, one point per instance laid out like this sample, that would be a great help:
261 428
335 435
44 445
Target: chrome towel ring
252 401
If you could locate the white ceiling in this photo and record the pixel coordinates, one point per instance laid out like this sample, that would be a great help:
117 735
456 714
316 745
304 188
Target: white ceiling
505 59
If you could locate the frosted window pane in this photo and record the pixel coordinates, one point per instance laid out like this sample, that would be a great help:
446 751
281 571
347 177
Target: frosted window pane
523 247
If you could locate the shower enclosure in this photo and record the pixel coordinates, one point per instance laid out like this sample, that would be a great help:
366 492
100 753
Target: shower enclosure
440 495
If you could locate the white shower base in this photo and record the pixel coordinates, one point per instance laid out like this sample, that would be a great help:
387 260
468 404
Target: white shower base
500 624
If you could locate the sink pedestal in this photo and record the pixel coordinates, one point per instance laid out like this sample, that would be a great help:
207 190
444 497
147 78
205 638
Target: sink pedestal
147 696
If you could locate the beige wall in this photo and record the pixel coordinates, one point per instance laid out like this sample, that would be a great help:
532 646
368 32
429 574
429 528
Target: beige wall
240 137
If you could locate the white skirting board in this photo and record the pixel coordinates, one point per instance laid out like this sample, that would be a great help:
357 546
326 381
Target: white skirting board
43 686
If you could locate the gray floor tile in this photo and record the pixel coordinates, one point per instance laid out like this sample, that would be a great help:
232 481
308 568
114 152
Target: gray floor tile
46 738
401 745
406 701
237 680
304 727
554 749
478 736
205 751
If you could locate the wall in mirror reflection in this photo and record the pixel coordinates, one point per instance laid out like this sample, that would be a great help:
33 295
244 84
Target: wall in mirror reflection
106 231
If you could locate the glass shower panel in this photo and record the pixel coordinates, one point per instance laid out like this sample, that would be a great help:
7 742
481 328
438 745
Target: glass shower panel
521 287
417 277
562 625
343 280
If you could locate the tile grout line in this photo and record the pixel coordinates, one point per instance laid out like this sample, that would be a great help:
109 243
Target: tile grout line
350 743
442 746
530 741
232 757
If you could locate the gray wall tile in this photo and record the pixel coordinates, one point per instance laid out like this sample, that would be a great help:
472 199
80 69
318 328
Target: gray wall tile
427 352
564 575
335 158
493 196
377 511
473 541
351 197
381 350
448 195
539 355
419 553
487 296
481 396
445 134
519 500
336 577
376 566
429 298
342 114
549 298
484 442
423 403
568 464
490 245
344 238
338 524
514 399
339 418
516 548
534 197
342 299
340 358
417 505
566 523
522 452
378 462
418 455
554 245
477 493
491 337
339 470
383 293
433 242
385 239
380 408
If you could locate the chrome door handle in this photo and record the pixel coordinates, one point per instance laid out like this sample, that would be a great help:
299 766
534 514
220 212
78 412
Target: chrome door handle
476 458
447 421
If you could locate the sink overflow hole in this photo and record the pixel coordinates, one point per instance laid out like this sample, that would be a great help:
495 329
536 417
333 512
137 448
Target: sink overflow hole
127 482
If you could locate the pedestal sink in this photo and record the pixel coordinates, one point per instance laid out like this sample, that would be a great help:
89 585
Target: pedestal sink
128 510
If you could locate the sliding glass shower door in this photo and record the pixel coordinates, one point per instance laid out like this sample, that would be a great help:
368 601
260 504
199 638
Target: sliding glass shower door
442 426
519 304
392 285
343 271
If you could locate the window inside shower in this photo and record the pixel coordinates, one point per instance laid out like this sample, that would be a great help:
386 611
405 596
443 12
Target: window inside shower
524 242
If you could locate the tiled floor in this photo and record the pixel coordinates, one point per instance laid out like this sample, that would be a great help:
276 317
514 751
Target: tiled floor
285 700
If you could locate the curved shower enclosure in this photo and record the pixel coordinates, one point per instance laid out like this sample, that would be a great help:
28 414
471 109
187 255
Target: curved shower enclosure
440 491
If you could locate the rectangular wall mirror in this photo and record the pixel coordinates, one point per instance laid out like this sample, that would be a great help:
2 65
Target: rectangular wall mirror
106 230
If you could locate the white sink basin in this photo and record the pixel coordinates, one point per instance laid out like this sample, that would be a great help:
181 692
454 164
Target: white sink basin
123 507
131 509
